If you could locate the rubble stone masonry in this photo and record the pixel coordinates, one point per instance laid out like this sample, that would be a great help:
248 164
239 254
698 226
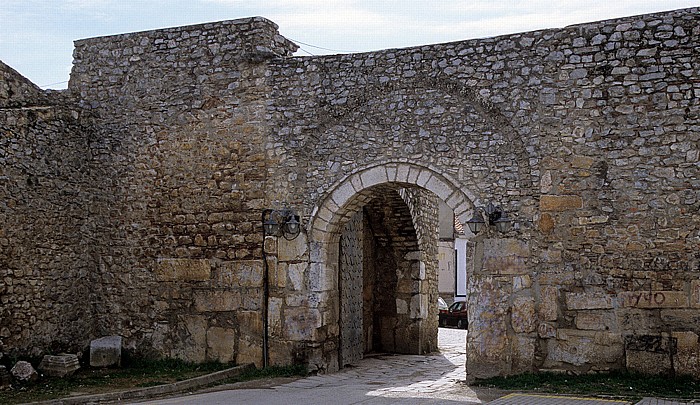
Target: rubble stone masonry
131 203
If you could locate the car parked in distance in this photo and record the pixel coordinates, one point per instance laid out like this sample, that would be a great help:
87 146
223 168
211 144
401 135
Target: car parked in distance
441 304
454 315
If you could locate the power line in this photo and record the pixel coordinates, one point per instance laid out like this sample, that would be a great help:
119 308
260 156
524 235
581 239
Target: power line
53 84
320 47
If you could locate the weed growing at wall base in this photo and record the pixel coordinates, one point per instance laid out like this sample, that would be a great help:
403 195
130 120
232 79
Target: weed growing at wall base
615 384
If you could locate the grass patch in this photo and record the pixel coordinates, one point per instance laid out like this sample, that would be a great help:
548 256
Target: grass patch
616 384
270 372
134 374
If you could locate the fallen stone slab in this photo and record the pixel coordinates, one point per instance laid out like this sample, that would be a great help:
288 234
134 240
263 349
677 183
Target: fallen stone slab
61 365
22 371
106 352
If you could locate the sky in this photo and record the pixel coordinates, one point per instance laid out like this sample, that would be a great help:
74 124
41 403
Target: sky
36 36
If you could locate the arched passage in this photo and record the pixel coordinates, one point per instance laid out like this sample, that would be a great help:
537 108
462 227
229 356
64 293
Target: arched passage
390 205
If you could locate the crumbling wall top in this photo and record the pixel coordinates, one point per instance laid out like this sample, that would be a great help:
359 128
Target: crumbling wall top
18 91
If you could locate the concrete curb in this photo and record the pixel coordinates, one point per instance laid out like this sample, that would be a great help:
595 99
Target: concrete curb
149 392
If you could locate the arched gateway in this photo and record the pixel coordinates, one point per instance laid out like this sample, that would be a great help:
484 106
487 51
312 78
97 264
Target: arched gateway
373 240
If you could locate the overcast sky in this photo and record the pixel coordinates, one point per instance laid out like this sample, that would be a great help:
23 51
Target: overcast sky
36 36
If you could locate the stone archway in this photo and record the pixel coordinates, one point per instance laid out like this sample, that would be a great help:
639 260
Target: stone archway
413 325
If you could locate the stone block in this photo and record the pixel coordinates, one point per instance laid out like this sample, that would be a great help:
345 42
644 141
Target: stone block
296 275
182 269
249 351
250 322
695 293
686 360
582 162
505 256
654 299
106 352
301 323
59 366
191 344
523 353
649 354
419 306
596 320
549 303
23 372
648 362
560 202
216 301
241 273
220 344
523 318
296 249
597 300
578 348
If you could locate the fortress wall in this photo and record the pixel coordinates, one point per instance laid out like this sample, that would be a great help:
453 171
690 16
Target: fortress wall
587 135
48 217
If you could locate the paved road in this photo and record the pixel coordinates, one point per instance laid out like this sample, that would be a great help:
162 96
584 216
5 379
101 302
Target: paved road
381 379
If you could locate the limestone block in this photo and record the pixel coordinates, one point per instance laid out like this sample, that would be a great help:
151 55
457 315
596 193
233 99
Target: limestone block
243 273
192 343
59 366
546 223
23 372
249 351
250 322
274 316
596 320
296 276
220 344
582 162
578 348
293 250
419 306
523 318
686 360
300 323
505 256
549 298
401 306
523 353
649 354
595 300
560 202
322 277
216 301
106 351
654 299
182 269
695 293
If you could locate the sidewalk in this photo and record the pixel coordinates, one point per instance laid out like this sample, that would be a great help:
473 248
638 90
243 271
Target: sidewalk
536 399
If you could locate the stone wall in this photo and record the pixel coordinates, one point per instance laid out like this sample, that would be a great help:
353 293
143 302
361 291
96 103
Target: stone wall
49 194
588 136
